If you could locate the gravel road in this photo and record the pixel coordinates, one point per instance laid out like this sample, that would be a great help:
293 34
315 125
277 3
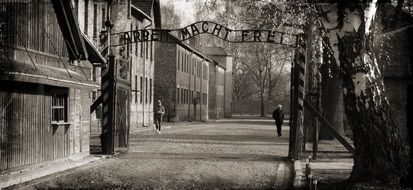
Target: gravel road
229 154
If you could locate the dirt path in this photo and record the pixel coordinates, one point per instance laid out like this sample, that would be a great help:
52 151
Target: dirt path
221 155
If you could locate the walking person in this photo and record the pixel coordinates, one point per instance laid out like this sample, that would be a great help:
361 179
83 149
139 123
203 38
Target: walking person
159 111
278 116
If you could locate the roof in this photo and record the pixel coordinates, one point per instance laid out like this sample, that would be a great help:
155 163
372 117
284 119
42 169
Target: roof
215 51
189 48
174 39
144 5
13 70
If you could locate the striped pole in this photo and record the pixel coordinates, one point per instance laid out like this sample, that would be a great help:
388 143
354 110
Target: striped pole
297 102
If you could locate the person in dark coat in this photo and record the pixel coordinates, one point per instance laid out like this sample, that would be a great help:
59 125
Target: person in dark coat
159 111
278 116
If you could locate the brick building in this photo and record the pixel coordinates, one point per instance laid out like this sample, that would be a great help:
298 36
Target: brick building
136 60
181 81
45 84
225 59
135 15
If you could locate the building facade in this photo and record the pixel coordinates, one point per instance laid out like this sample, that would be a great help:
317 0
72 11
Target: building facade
45 84
223 57
136 60
181 81
136 15
216 90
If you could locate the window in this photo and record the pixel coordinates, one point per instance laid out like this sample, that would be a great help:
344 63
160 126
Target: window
95 20
196 68
146 49
183 62
130 45
187 96
204 98
151 50
189 65
179 59
136 43
142 48
203 71
199 69
183 96
141 89
86 16
103 16
150 90
186 63
146 90
59 107
193 66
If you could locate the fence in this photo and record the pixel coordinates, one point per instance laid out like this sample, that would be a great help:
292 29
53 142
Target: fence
253 107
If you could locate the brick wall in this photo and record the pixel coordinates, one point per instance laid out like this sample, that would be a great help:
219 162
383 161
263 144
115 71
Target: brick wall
177 77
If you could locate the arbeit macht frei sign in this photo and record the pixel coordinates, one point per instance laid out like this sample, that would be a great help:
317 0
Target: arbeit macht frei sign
206 27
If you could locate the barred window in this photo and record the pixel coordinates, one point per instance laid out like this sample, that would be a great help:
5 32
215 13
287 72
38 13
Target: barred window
59 107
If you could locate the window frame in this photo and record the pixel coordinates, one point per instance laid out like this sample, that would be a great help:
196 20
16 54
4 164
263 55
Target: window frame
59 102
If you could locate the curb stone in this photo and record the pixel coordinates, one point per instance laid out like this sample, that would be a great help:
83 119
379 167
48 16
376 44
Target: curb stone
299 177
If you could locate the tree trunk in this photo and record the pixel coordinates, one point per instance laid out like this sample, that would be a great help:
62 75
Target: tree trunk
262 104
380 154
270 85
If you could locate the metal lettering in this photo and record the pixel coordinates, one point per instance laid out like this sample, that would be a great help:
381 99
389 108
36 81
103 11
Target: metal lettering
185 32
257 35
205 27
244 34
217 28
228 31
145 36
137 36
202 27
154 35
194 30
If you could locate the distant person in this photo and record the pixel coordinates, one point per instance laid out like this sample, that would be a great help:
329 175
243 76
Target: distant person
278 116
159 111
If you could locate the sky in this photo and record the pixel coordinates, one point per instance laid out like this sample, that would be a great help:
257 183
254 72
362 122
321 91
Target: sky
183 8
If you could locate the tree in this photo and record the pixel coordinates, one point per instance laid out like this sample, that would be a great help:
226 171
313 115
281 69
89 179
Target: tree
380 154
262 72
170 20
